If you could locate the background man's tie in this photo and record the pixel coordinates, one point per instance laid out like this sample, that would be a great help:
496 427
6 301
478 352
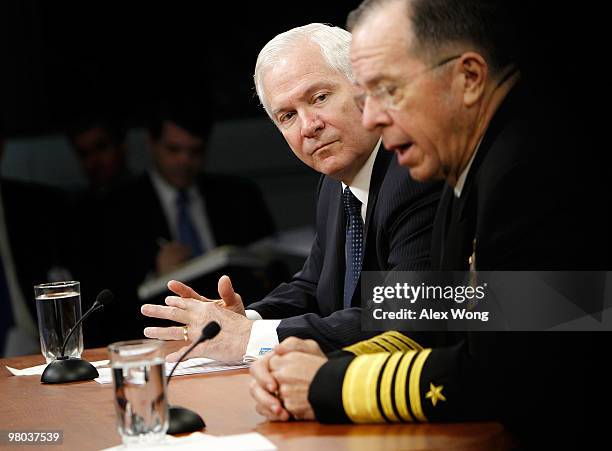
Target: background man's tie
186 230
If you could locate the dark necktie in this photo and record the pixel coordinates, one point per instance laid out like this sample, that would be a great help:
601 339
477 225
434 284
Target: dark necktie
187 233
353 244
6 310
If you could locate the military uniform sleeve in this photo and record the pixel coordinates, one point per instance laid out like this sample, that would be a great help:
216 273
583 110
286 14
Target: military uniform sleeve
391 341
412 384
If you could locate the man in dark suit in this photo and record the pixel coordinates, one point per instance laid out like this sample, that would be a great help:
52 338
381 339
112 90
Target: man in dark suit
100 145
370 213
446 92
173 213
32 227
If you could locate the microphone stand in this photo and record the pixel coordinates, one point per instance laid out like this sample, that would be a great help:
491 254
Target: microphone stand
65 369
183 420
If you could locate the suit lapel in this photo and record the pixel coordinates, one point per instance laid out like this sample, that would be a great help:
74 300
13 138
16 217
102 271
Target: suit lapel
381 164
469 193
458 229
441 226
336 230
458 239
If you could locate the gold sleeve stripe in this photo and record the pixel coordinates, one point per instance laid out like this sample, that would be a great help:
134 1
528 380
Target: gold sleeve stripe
376 347
389 347
401 384
401 345
386 387
366 347
406 340
387 342
414 385
359 390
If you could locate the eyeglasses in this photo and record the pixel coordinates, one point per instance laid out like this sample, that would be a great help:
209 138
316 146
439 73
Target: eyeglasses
391 95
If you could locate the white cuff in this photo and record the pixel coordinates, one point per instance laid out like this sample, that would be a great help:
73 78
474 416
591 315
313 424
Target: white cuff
262 340
253 315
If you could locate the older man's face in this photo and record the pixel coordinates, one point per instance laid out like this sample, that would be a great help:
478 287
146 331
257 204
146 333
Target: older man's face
313 106
416 111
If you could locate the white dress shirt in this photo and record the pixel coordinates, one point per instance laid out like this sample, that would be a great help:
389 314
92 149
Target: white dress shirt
462 178
263 336
167 195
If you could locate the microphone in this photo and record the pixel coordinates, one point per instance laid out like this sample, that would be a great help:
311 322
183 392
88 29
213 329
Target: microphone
183 420
66 369
104 298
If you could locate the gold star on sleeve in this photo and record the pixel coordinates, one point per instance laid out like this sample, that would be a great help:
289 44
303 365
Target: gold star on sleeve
435 394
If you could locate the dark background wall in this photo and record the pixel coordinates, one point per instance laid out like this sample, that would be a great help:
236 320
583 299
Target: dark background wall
64 59
67 57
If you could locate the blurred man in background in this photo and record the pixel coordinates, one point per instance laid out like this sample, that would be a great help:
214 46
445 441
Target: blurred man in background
175 212
101 149
100 145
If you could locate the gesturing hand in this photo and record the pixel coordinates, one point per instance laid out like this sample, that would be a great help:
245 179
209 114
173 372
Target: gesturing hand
229 298
195 311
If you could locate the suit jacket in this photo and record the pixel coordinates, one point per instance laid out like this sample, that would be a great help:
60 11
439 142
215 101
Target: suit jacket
525 205
397 233
528 201
134 222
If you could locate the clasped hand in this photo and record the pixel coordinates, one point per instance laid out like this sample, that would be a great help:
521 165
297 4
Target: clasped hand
281 380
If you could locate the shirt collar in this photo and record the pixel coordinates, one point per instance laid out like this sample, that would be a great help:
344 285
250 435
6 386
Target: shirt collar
462 178
360 186
166 191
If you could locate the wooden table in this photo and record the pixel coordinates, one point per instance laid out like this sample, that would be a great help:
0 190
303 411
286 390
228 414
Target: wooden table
85 413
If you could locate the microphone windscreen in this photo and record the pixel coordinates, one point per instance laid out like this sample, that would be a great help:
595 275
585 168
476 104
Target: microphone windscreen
105 297
210 330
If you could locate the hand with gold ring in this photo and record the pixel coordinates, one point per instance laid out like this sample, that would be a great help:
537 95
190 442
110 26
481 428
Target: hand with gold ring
229 298
193 314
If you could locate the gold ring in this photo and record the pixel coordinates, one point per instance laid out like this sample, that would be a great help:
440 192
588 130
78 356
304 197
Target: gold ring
185 335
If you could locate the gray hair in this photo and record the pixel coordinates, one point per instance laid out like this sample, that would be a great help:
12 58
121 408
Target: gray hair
334 42
487 25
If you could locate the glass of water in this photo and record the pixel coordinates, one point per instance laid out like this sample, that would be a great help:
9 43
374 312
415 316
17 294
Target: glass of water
138 368
58 306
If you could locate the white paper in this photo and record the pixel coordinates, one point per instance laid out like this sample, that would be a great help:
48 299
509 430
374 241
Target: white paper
38 369
244 442
198 441
191 366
